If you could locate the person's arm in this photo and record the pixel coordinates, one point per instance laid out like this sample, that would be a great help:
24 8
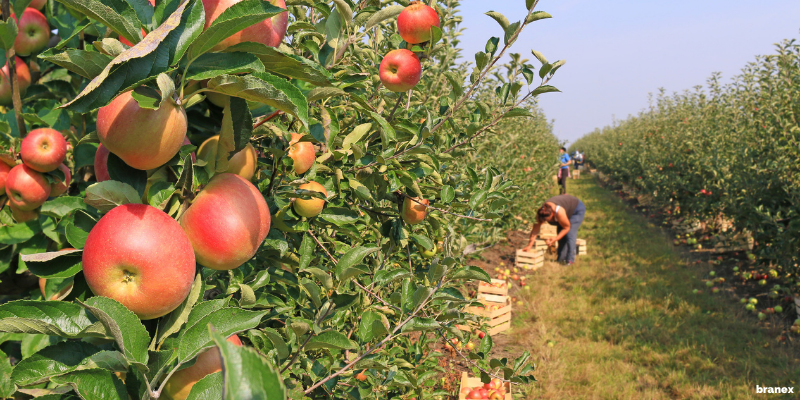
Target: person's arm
534 233
561 218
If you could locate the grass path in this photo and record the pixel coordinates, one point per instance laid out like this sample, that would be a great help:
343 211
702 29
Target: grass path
623 323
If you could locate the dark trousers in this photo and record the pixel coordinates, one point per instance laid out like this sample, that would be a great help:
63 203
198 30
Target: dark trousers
562 180
567 247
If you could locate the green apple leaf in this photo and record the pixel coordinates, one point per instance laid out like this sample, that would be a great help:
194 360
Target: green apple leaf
60 207
55 360
246 374
353 257
208 388
94 384
286 64
195 337
87 64
8 34
55 318
384 14
331 340
109 194
118 15
56 264
124 326
264 88
211 65
19 233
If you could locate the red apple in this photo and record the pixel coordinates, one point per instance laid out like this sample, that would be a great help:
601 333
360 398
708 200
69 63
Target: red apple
142 138
400 70
22 216
242 163
58 187
4 170
227 222
415 22
26 188
269 32
208 362
140 257
302 153
312 207
43 149
23 77
414 210
34 32
361 376
101 164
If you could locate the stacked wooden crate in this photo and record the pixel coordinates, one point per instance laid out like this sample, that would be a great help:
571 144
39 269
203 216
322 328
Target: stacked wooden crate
581 246
531 260
468 383
496 305
576 173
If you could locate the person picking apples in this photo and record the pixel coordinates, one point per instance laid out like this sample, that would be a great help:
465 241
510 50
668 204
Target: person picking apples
563 172
566 212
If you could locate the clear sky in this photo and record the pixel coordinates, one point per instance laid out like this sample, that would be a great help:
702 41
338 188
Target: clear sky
619 51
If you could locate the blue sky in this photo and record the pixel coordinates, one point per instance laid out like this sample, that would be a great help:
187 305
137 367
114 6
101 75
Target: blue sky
619 51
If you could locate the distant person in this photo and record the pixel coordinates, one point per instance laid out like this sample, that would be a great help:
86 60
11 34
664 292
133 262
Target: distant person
578 162
563 172
566 212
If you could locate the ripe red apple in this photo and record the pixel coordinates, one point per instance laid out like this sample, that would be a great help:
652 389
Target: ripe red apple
26 188
208 362
312 207
414 211
37 4
22 216
43 149
140 257
415 22
142 138
101 164
400 70
4 170
242 163
34 32
227 222
23 77
58 187
302 153
269 32
481 334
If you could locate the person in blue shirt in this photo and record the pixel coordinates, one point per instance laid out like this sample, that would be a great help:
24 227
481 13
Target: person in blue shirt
563 172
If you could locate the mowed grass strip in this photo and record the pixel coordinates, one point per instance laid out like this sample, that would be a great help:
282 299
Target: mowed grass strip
623 323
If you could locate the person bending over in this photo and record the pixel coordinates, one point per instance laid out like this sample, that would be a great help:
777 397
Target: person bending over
566 213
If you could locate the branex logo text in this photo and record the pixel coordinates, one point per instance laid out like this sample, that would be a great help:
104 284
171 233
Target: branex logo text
765 389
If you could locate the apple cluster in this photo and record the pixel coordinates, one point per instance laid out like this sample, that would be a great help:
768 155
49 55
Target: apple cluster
33 37
400 69
494 390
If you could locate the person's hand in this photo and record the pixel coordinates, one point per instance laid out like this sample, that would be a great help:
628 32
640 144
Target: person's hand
527 248
550 242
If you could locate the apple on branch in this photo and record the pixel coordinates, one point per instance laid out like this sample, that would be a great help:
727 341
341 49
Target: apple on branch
23 77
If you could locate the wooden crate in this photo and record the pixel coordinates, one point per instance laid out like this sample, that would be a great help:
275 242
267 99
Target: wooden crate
581 246
547 231
530 260
499 320
468 382
576 173
486 288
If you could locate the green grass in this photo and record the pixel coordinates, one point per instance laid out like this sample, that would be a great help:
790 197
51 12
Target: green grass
624 323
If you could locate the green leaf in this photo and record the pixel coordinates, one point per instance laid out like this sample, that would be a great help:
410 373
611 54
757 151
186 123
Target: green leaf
352 257
384 14
365 332
537 15
510 31
306 251
358 133
124 326
7 387
235 18
470 273
19 233
172 322
246 374
545 89
118 15
419 324
211 65
448 194
486 345
87 64
208 388
195 337
61 206
94 384
331 340
424 241
8 34
282 63
58 359
264 88
339 216
56 318
539 56
162 48
106 195
500 18
384 277
517 112
56 264
344 10
321 93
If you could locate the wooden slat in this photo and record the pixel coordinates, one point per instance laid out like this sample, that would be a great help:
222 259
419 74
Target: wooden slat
500 328
494 298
